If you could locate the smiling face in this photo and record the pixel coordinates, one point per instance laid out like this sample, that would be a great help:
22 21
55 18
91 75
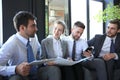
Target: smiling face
112 30
58 30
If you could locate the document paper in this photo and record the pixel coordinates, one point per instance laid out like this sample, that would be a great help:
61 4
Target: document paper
66 62
58 61
37 62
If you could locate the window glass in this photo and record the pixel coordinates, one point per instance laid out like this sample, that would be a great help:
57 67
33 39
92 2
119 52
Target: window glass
95 27
78 13
55 10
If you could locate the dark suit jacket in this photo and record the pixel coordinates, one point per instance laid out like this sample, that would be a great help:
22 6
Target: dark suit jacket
97 43
47 48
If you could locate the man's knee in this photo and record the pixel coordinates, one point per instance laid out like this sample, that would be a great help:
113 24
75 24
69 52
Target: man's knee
48 72
99 61
17 77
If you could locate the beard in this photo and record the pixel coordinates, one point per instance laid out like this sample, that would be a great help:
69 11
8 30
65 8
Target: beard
32 35
111 35
75 37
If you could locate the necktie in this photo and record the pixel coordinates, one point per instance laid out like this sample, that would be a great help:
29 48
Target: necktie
30 57
112 48
74 50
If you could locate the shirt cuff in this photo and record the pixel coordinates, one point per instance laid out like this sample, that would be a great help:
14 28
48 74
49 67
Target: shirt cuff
116 56
11 70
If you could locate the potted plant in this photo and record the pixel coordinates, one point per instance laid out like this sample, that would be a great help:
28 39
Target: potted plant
110 12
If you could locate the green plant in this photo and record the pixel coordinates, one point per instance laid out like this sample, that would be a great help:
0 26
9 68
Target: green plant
110 12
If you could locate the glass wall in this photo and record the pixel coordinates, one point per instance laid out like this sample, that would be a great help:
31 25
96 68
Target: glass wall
95 27
85 10
78 13
55 10
79 10
1 33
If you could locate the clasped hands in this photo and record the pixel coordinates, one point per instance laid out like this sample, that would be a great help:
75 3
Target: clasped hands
108 56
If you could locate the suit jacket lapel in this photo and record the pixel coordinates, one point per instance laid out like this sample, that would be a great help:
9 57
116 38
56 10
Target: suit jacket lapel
50 47
101 40
62 47
117 42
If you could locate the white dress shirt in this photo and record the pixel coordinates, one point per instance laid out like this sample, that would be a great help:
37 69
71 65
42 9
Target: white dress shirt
14 52
81 45
57 47
106 47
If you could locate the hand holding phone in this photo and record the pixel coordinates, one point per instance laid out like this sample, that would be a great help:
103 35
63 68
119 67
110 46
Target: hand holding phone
89 48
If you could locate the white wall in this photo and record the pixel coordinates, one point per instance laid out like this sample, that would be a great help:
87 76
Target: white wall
78 13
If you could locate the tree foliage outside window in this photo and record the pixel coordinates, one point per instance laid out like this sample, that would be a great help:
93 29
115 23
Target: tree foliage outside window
109 13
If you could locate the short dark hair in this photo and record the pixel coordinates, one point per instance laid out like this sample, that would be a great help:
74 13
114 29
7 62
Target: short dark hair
79 24
115 21
22 18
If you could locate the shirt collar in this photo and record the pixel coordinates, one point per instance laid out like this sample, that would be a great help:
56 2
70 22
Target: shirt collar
55 40
21 38
112 38
71 38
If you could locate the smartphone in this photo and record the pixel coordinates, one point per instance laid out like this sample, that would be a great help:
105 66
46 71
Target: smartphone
89 48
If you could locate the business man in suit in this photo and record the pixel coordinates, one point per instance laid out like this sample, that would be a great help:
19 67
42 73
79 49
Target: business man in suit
54 47
102 45
77 50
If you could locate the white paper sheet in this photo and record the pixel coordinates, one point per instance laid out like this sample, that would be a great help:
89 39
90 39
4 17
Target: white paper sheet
66 62
59 61
37 62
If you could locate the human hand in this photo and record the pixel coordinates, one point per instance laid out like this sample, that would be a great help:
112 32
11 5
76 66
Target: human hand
23 69
108 56
51 63
87 53
70 59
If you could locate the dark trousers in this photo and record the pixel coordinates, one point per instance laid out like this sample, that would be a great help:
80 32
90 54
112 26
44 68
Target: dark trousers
110 69
18 77
2 78
78 71
67 73
97 65
74 72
